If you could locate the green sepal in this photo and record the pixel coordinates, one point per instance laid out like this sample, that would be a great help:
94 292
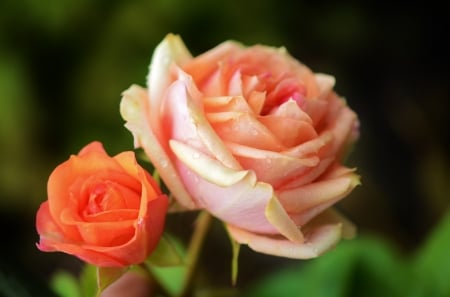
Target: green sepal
167 264
167 253
108 275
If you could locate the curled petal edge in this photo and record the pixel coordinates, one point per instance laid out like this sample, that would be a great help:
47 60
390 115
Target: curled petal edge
206 167
321 235
133 109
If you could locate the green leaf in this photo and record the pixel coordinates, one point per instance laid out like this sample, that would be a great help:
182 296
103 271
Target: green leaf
64 284
360 267
108 275
431 270
167 253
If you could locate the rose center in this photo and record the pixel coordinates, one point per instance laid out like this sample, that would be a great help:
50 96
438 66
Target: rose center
281 91
103 196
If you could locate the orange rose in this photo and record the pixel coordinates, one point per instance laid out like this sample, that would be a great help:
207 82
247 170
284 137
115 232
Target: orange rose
252 136
107 211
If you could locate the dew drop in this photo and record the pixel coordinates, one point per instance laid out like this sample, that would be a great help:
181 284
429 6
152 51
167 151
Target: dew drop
163 163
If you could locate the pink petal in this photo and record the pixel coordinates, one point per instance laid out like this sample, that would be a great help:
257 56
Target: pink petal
307 176
290 109
170 50
242 204
133 108
320 236
206 167
226 104
299 131
203 66
325 84
317 193
341 125
245 129
185 121
271 167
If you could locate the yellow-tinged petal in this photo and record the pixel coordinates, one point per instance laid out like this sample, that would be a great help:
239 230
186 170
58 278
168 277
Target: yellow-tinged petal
210 139
325 83
278 217
321 235
133 109
205 166
314 194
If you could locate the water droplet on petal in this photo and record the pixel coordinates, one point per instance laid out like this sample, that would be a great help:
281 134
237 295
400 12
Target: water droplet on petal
163 163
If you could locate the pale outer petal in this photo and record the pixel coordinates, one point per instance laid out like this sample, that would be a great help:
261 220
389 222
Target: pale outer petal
242 204
171 50
133 109
232 195
321 235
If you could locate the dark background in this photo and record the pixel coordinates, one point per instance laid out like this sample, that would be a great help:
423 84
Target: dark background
64 64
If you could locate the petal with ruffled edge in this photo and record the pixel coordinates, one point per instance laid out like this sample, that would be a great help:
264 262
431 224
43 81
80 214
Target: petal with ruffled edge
321 235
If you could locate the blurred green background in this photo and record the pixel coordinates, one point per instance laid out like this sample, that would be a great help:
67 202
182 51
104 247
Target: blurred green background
64 64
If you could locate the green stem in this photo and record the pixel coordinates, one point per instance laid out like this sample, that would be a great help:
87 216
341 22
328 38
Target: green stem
202 224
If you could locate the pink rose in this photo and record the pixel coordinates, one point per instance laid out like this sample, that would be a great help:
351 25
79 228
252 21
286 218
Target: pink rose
252 136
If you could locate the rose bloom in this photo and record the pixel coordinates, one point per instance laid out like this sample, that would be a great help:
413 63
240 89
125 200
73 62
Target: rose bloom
107 211
252 136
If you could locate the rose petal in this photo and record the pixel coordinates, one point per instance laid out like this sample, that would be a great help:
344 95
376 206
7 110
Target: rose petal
48 230
311 147
188 124
203 66
276 214
307 176
321 236
170 50
111 233
290 109
147 233
271 167
226 104
206 167
245 129
133 109
242 203
325 84
299 131
94 146
317 193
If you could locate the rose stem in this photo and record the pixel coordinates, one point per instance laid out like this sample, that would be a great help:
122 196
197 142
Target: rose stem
202 224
